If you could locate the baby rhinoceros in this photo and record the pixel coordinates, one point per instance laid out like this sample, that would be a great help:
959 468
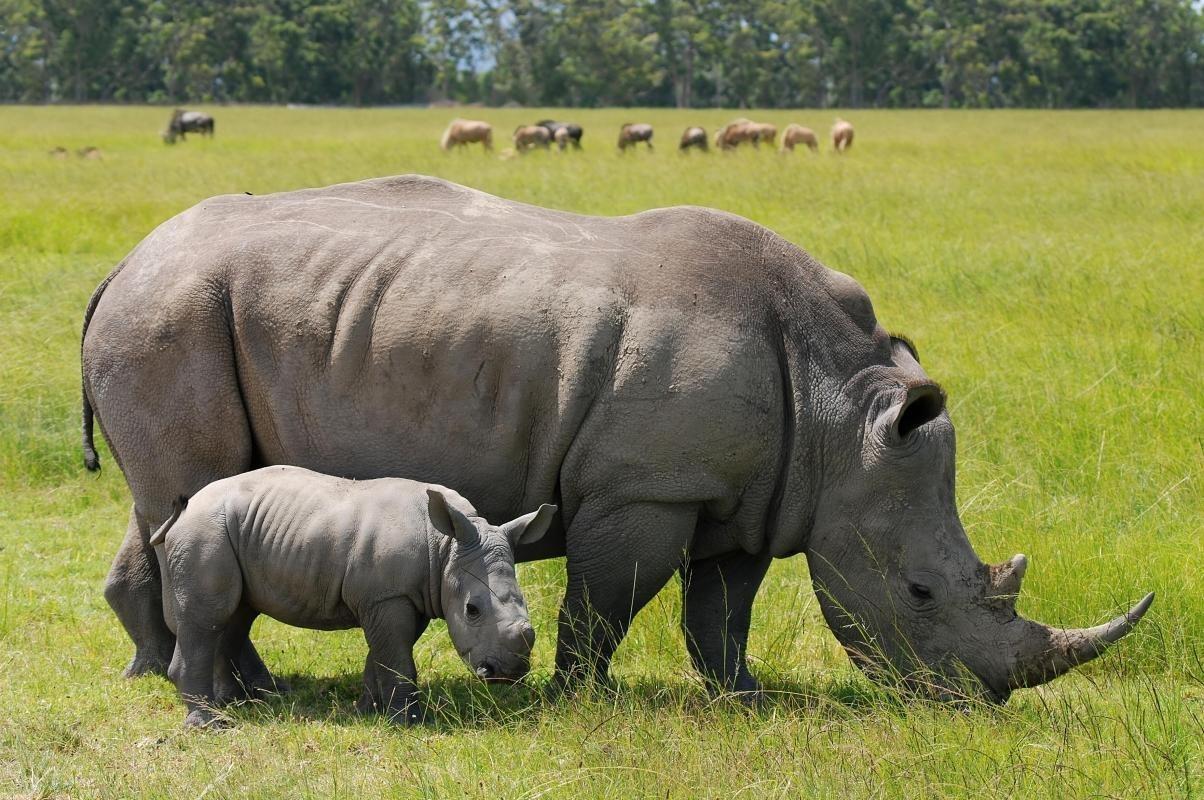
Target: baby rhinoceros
315 551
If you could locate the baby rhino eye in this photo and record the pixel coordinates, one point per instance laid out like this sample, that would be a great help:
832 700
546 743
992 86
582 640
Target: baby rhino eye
472 611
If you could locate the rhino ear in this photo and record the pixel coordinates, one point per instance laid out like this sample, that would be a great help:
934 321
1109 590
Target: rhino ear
903 348
529 528
449 520
923 403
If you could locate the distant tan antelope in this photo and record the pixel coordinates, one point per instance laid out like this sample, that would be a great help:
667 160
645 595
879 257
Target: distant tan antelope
797 134
527 137
462 132
842 135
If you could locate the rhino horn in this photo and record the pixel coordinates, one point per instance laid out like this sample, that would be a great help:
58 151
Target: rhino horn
1006 577
1046 652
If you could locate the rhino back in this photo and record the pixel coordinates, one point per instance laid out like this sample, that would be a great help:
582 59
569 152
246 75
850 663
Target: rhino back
408 326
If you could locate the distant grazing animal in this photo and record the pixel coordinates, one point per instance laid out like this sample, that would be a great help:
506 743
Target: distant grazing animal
572 130
734 133
632 134
59 152
529 136
797 134
766 132
562 138
320 552
842 135
90 152
183 122
693 137
462 132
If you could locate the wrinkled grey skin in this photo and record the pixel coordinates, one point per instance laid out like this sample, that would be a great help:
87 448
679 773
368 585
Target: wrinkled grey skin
314 551
696 394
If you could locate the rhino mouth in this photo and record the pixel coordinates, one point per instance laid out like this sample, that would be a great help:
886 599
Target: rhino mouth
490 672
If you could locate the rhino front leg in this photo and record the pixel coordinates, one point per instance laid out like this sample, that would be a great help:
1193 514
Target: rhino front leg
391 628
617 562
135 593
717 599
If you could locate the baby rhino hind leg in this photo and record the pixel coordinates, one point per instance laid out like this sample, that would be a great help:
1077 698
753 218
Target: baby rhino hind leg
206 592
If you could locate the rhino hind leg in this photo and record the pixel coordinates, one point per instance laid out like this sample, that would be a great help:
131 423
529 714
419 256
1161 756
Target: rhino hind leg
240 673
134 592
617 562
717 600
175 419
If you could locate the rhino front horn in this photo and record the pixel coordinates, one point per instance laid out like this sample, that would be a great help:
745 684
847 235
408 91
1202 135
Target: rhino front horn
1048 652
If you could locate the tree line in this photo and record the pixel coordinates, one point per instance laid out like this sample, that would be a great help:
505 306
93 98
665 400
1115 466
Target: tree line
685 53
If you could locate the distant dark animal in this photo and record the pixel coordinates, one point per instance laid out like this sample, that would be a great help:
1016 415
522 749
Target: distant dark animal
797 134
632 134
694 137
842 135
464 131
183 122
572 130
59 152
527 137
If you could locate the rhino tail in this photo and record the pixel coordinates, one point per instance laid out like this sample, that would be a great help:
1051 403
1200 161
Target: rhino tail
91 459
177 508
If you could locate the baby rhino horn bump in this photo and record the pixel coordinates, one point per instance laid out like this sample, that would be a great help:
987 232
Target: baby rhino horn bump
530 528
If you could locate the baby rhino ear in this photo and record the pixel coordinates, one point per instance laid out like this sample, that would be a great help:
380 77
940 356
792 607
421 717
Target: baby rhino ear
529 528
449 520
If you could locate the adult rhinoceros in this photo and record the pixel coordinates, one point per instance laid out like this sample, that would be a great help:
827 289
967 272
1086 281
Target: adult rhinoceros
696 394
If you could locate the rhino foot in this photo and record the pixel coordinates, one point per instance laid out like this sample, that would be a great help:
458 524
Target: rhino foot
265 685
146 664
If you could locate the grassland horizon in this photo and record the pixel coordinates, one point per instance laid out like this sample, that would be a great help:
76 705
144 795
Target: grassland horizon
1048 266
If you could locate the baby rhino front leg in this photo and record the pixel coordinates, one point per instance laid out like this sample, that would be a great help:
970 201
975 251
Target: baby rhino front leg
390 677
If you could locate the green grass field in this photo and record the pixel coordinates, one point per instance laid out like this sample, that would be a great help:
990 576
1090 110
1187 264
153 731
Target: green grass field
1050 267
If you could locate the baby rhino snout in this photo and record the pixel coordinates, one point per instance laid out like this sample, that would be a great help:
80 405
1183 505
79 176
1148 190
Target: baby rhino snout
515 663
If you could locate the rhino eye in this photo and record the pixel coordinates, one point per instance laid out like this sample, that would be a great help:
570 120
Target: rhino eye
472 612
919 591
